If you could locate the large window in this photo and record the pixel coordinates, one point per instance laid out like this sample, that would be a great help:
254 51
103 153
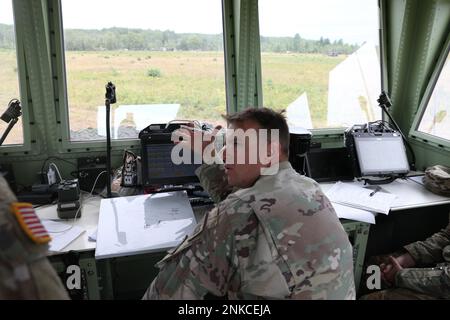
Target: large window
320 60
165 58
9 74
436 117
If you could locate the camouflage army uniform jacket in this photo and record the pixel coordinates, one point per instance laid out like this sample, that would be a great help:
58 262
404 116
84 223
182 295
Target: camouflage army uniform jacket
431 281
25 272
433 250
278 239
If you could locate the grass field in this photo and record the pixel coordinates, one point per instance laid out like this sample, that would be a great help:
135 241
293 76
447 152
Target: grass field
286 76
195 80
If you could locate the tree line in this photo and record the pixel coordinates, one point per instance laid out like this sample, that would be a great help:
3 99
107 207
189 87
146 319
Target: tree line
157 40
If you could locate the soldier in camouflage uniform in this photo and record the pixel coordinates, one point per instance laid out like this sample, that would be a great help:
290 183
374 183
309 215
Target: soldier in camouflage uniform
409 281
276 237
25 272
404 274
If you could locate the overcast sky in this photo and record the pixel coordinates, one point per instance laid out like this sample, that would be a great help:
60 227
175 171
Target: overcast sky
354 21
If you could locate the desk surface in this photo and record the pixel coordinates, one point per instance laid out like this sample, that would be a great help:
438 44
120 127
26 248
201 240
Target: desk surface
410 194
88 221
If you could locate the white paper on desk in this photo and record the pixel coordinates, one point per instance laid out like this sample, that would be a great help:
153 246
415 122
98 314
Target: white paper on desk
346 212
62 234
359 197
418 179
142 224
93 236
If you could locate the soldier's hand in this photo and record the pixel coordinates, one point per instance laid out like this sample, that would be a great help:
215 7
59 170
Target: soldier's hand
197 140
406 260
389 270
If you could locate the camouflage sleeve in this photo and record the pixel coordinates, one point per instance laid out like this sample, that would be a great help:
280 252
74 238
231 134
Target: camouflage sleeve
430 251
25 272
200 265
434 282
214 181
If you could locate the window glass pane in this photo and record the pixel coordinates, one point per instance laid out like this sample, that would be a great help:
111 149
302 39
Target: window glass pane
165 58
436 118
320 61
9 75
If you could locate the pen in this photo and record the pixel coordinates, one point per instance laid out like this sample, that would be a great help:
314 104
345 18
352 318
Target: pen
375 191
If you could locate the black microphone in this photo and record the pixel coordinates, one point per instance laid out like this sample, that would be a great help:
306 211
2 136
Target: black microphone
110 94
13 111
11 116
384 100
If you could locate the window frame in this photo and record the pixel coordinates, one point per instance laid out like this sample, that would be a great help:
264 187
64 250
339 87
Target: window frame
61 93
414 132
24 147
61 98
332 132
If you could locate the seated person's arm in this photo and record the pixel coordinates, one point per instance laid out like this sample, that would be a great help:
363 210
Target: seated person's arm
201 265
214 181
430 251
212 177
426 252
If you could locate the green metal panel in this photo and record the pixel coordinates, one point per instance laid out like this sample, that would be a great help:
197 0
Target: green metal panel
243 70
393 42
328 138
358 233
415 35
441 143
229 32
428 155
89 273
39 70
26 146
247 52
383 52
258 94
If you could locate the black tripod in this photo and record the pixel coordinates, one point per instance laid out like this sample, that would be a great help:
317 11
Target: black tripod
110 98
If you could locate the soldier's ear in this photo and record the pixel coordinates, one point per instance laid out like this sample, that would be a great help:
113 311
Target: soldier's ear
273 154
274 150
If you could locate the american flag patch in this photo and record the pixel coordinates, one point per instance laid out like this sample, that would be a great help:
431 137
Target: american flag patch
29 222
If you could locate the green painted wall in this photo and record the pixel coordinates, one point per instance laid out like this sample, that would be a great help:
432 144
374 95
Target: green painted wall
416 32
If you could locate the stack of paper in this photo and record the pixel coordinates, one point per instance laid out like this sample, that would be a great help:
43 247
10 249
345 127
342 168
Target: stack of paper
62 234
143 224
361 198
346 212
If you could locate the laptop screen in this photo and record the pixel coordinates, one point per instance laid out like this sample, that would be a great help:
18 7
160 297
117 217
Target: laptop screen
381 154
332 164
159 168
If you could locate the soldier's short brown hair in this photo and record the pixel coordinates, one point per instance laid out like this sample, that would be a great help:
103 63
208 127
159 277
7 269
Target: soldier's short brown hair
267 119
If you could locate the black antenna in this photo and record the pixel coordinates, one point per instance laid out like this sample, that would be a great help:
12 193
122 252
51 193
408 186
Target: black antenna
110 98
